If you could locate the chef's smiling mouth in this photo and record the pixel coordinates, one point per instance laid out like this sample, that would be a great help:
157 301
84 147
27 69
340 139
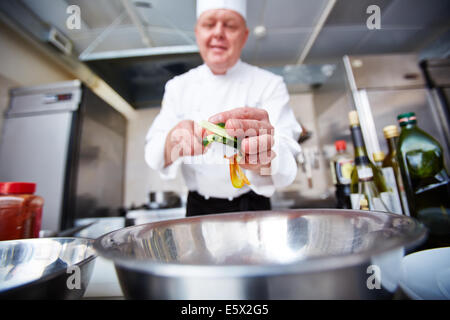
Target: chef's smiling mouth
218 47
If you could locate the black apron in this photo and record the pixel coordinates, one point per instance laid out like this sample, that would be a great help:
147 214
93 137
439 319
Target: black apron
250 201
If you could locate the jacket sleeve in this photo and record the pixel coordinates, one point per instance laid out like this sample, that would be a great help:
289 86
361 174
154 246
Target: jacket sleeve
156 136
287 131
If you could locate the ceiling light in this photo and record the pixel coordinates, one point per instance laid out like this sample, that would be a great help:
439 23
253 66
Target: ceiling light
260 32
143 4
357 63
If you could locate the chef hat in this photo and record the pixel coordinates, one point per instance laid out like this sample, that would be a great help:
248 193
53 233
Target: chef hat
240 6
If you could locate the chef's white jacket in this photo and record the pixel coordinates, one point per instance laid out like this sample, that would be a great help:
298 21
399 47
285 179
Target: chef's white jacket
199 94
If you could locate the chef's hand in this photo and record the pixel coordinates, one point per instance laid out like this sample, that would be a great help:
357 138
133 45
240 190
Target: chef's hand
185 139
252 125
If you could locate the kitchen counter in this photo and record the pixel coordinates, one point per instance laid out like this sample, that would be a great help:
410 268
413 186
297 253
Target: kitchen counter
141 216
294 200
104 283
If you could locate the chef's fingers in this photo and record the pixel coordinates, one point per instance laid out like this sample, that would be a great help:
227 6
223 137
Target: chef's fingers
259 161
197 147
240 113
198 131
186 139
190 145
186 128
247 128
257 144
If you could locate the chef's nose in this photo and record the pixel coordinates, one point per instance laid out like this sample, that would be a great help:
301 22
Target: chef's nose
219 30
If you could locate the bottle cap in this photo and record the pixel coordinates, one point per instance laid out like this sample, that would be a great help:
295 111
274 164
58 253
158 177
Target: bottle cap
363 204
340 145
390 131
17 187
353 118
378 156
406 118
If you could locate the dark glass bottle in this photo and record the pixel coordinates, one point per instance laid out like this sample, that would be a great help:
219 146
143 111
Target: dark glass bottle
341 169
427 183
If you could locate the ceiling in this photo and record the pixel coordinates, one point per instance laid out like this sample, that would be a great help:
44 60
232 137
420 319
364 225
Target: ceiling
138 45
406 26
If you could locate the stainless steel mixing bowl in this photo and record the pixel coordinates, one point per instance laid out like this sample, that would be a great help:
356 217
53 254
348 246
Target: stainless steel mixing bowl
297 254
45 268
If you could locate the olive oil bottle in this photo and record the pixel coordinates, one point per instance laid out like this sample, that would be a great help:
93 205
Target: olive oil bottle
378 158
391 171
367 181
427 183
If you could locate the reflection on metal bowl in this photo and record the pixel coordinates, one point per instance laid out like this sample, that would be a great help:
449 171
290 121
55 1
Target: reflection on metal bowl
295 254
45 268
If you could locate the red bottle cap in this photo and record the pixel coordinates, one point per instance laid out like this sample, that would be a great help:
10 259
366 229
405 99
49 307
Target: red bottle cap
340 145
17 187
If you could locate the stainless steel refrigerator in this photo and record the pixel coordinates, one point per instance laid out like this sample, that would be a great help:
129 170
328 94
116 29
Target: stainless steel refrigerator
380 87
72 144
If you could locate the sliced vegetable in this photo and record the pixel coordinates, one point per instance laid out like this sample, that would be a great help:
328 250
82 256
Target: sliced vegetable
216 129
208 139
242 174
238 178
219 134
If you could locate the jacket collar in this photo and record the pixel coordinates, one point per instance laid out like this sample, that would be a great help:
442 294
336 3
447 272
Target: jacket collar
235 72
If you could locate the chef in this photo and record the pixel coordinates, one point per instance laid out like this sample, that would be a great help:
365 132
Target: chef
253 104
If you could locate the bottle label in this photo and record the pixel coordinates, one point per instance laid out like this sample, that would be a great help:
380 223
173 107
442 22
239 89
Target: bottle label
383 203
357 137
344 170
355 199
365 173
375 204
393 200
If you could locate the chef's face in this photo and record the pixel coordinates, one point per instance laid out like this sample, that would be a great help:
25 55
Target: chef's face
221 35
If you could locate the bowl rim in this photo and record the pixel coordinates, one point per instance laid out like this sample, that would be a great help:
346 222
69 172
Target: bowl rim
314 264
55 274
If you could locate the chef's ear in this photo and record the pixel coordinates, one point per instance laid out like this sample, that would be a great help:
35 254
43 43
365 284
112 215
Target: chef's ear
196 29
247 32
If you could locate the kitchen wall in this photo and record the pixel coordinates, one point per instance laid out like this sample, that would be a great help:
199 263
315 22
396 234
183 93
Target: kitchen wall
5 85
140 179
22 65
316 167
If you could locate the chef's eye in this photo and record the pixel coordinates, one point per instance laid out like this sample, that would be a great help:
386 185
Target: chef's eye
208 24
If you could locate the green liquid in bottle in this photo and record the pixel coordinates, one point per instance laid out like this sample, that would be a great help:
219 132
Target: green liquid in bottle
427 183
